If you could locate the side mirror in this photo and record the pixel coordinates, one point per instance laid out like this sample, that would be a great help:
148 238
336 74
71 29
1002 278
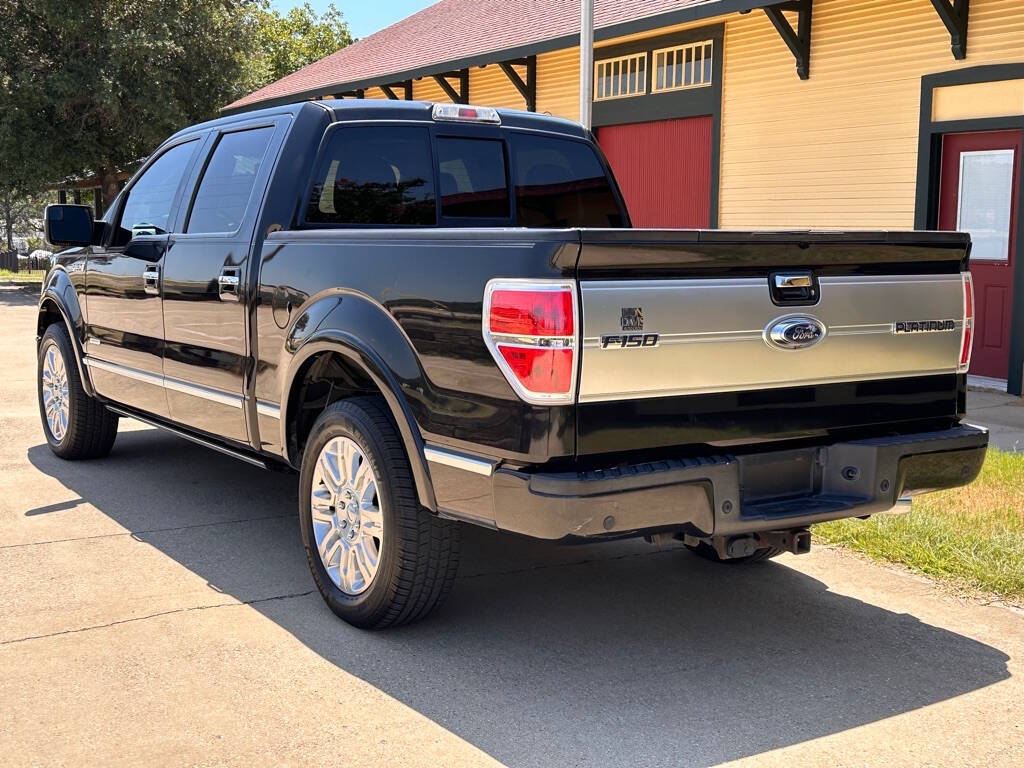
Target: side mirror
68 226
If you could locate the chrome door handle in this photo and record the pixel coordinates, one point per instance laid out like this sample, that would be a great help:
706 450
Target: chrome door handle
228 283
151 280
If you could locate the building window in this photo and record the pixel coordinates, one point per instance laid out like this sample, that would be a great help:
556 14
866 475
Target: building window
621 77
682 66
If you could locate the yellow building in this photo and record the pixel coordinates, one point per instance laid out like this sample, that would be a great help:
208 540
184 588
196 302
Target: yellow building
879 114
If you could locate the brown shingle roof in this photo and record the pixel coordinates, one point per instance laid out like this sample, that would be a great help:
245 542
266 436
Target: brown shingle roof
459 30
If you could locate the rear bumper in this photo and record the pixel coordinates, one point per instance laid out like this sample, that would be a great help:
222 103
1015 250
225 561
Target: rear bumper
722 495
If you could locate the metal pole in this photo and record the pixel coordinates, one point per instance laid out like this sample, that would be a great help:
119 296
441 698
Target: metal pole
586 61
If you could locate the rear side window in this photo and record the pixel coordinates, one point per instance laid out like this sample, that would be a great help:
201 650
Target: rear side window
226 186
473 179
375 176
561 183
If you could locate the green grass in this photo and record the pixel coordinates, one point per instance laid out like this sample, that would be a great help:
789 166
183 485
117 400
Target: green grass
34 276
972 538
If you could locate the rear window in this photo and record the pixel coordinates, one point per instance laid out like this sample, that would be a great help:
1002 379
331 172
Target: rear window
561 183
227 183
375 176
473 179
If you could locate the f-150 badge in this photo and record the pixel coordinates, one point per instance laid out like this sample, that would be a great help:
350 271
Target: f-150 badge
794 332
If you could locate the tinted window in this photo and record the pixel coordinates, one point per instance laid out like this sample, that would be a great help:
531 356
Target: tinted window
147 209
380 175
561 183
473 180
228 180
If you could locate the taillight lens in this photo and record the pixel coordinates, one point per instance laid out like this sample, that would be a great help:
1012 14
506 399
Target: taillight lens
530 329
967 338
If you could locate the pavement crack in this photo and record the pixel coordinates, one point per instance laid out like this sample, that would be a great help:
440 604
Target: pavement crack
257 601
144 532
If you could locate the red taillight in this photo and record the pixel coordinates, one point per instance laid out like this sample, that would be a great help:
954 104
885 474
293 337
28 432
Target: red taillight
529 327
968 332
540 369
531 313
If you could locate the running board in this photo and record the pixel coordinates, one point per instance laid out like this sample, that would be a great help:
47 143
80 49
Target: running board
249 459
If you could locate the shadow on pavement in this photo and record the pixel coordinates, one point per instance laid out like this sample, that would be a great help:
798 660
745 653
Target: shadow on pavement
552 655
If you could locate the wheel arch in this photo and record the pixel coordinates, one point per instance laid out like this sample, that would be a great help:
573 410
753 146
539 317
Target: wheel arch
328 343
59 303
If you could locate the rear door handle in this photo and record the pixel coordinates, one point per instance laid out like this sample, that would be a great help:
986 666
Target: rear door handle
228 284
151 280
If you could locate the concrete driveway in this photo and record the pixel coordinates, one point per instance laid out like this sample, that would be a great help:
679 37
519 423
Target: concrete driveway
156 607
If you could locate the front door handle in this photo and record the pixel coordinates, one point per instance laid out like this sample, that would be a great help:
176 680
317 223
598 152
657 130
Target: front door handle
151 280
227 284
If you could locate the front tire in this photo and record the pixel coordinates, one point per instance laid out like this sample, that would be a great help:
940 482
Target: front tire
76 426
378 558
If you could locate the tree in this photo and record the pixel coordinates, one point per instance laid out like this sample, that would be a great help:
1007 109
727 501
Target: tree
20 213
283 44
93 86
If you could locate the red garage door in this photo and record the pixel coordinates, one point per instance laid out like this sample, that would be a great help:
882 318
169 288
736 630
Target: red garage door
664 170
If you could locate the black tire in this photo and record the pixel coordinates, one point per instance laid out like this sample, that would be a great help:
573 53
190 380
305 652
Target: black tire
91 428
706 551
419 553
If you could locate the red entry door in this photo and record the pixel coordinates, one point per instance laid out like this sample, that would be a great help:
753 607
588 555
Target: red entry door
978 194
663 169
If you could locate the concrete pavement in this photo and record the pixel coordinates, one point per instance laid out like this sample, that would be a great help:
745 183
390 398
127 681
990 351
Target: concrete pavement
1003 414
156 607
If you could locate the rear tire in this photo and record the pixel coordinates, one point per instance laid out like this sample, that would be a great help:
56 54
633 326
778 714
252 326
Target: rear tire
76 426
706 551
378 558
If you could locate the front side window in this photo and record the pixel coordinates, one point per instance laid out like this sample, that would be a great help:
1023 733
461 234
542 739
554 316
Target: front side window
147 208
227 183
473 180
561 183
375 176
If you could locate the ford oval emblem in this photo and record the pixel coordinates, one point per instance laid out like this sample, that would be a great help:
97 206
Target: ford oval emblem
794 332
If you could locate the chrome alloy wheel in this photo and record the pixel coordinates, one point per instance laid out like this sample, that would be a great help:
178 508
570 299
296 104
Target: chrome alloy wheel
56 397
348 522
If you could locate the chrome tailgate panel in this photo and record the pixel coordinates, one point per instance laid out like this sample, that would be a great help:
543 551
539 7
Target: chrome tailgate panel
712 334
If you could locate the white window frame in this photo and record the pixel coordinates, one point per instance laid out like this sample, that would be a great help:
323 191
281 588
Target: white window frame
702 46
1004 259
621 61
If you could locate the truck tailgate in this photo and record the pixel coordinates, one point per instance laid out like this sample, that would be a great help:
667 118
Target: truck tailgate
681 329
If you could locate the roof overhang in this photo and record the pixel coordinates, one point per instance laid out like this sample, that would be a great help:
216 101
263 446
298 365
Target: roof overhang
707 10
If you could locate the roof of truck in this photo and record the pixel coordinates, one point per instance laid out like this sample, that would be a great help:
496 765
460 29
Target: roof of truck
376 109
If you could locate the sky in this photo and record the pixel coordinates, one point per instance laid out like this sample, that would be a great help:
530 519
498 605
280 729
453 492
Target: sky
365 17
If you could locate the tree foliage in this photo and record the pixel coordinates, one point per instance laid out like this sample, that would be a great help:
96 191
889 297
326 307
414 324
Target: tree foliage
282 44
92 86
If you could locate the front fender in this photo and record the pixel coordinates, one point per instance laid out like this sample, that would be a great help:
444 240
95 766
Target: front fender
367 336
59 296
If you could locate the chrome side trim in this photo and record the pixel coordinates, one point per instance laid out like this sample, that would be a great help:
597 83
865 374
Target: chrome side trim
461 461
195 390
190 437
263 408
205 393
122 370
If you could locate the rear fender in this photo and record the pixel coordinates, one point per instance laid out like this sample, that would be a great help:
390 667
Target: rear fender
366 335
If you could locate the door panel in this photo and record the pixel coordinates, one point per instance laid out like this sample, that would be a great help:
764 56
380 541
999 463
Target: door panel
206 351
663 169
978 194
125 329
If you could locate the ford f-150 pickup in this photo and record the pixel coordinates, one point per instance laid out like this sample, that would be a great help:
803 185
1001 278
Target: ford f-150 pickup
439 315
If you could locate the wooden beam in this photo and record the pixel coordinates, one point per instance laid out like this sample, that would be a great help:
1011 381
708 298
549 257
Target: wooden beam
528 88
388 92
954 16
799 40
462 95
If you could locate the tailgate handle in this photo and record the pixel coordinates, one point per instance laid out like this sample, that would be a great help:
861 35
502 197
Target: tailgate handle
793 288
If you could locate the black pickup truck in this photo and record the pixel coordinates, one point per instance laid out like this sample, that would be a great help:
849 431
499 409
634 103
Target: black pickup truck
439 314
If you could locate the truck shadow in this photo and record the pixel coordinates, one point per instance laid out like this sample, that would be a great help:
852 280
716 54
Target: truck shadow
554 655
